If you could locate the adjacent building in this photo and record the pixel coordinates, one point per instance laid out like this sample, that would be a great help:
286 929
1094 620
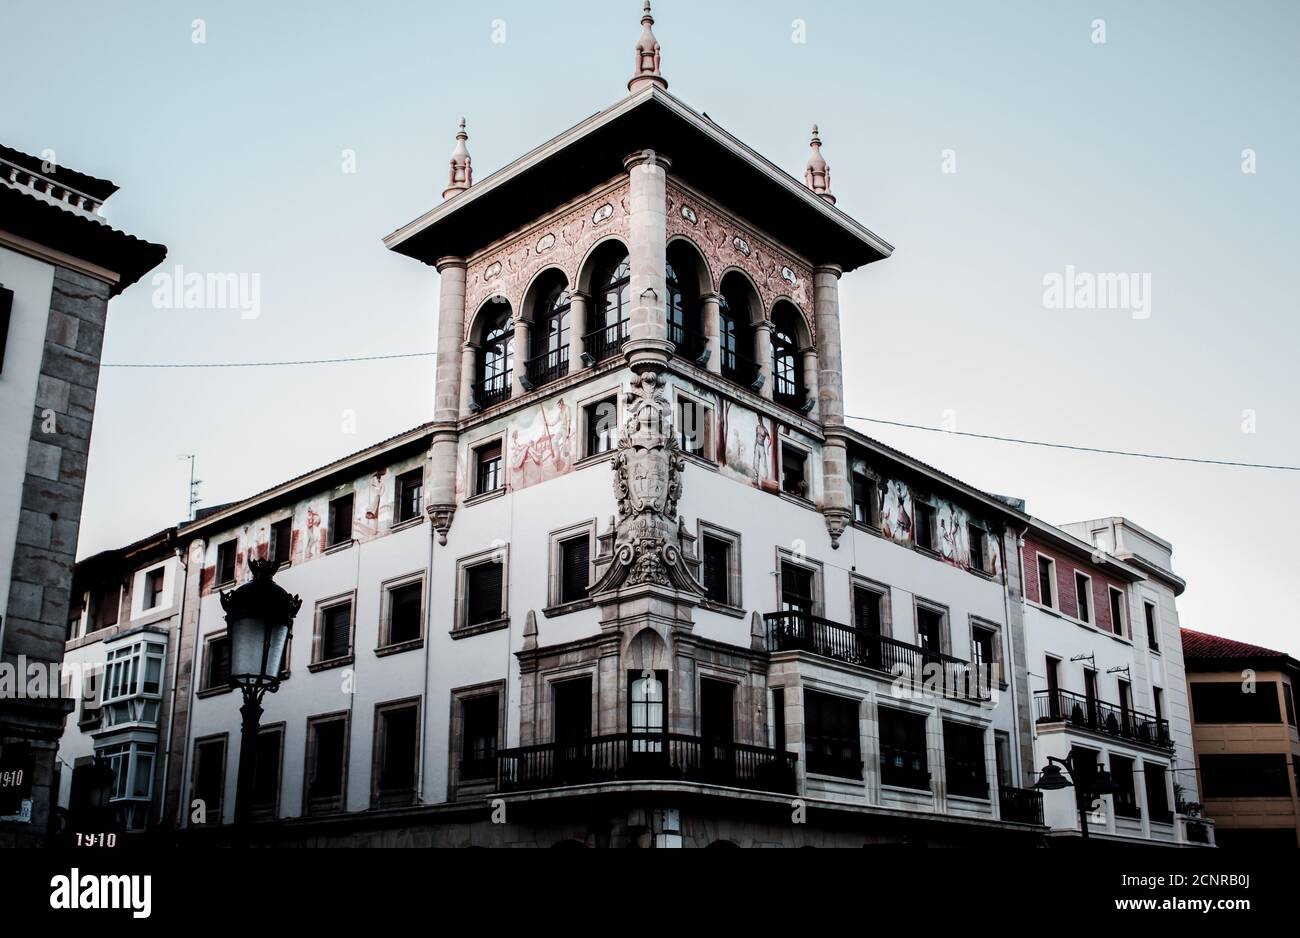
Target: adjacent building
60 264
1247 746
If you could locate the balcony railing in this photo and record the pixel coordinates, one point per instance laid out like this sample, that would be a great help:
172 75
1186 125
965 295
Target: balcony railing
552 366
1023 805
690 345
606 342
1063 706
646 757
800 631
738 368
492 391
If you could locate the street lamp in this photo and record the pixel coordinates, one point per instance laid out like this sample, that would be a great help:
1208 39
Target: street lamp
259 616
1087 791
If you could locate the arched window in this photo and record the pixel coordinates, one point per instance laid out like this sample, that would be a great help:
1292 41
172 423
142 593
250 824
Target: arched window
736 337
646 710
787 373
683 303
496 359
613 308
550 337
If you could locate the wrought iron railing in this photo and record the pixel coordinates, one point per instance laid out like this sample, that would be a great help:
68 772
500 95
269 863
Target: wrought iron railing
1063 706
606 342
690 345
742 370
1022 805
493 390
552 366
801 631
646 757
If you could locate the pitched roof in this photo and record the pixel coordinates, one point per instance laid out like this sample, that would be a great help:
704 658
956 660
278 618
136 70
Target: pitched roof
1201 646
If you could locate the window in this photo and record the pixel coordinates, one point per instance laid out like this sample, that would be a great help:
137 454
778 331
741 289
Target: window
1289 699
1046 581
410 495
963 760
133 684
153 588
404 623
488 475
1158 702
478 754
984 651
132 767
1231 702
1121 770
1083 594
216 663
903 758
683 306
396 754
924 514
1157 793
550 336
6 309
834 737
327 759
280 550
736 334
1256 775
647 692
693 427
864 500
333 639
720 565
868 605
978 548
601 422
266 775
797 592
778 719
1153 628
1002 753
613 309
787 375
574 569
226 562
794 471
1117 612
930 628
340 520
208 779
483 589
496 362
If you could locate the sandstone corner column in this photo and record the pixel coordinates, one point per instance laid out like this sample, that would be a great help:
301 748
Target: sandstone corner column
447 395
763 352
830 400
578 305
648 248
711 303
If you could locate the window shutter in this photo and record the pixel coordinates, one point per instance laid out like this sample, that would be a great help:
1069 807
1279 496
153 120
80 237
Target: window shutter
219 672
716 574
868 604
336 633
484 589
575 569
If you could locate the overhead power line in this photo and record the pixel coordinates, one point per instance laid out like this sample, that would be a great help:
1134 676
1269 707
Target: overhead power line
1077 448
315 361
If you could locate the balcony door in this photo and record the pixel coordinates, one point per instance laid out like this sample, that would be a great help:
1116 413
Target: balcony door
717 725
1090 693
1054 688
573 729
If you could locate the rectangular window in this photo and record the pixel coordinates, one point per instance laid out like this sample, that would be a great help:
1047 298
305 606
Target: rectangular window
483 593
226 562
488 477
216 663
1002 752
396 754
930 629
340 520
601 422
410 495
6 310
1289 699
794 471
266 776
978 548
208 778
1121 770
1046 581
903 757
1157 793
646 694
281 547
924 516
797 589
575 569
1255 775
1153 628
834 737
693 428
717 569
983 647
868 606
1235 702
333 633
1083 595
1117 612
478 753
963 760
864 500
404 614
153 588
778 719
1158 702
327 757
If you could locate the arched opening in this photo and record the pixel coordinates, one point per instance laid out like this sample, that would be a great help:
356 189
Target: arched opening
788 387
723 845
685 273
549 341
494 380
611 299
736 331
646 717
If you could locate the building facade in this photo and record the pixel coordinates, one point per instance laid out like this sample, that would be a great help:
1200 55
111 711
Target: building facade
636 583
60 264
1247 746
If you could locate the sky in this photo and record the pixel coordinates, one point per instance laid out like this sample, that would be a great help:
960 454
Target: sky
996 145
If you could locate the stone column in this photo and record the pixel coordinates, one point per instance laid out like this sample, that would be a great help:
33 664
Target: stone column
810 377
763 352
648 236
712 322
523 351
830 400
468 375
577 329
448 390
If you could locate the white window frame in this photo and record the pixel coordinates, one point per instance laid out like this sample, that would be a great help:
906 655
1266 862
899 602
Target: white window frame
1119 629
1055 599
1092 612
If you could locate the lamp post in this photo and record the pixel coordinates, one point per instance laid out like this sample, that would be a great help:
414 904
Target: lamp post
1087 791
259 616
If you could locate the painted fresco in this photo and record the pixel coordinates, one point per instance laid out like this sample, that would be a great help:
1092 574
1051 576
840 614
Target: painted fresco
896 512
541 444
952 534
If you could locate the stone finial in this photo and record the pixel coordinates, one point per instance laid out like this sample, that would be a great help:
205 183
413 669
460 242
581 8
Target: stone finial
461 176
817 176
530 630
647 57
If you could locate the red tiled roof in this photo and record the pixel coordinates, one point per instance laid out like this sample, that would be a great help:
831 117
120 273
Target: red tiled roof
1201 645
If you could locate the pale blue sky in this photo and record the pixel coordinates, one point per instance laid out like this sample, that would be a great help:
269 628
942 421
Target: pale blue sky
1122 157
